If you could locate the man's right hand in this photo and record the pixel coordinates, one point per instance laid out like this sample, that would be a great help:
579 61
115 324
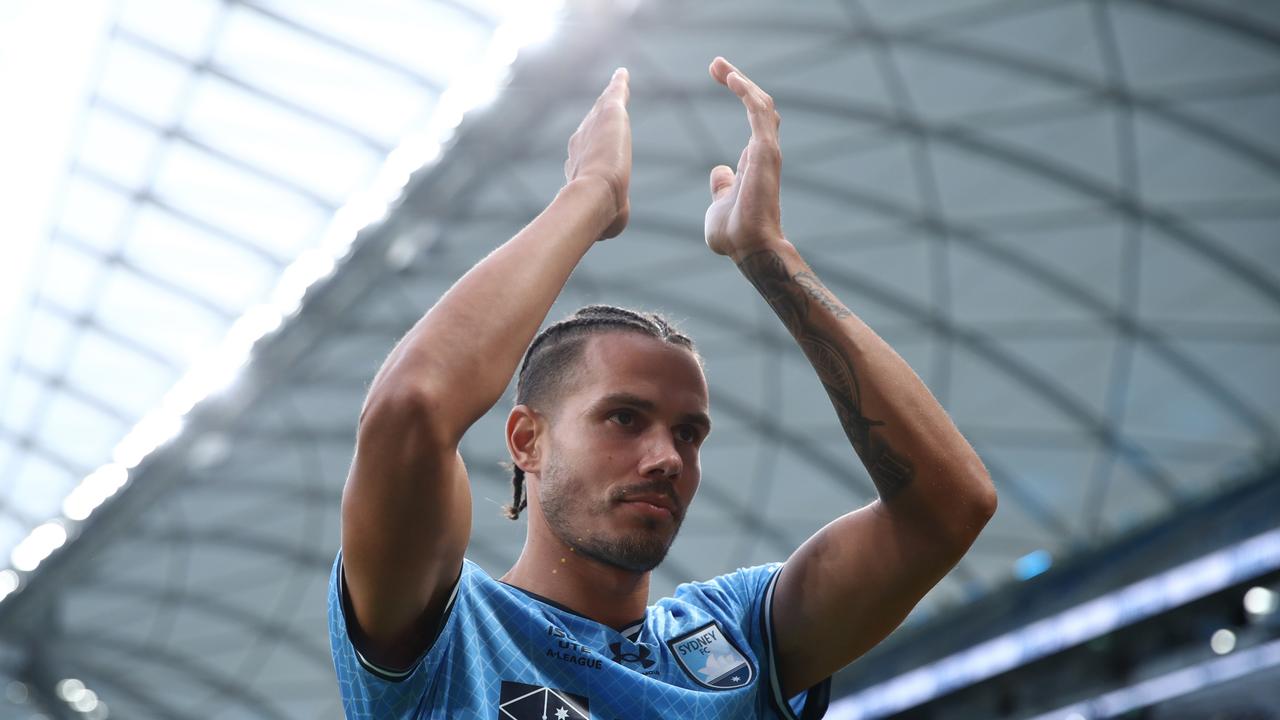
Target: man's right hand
601 148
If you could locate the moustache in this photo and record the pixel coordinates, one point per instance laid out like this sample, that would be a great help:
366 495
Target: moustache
661 489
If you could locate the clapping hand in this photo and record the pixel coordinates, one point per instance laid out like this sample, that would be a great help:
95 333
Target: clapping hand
745 214
601 148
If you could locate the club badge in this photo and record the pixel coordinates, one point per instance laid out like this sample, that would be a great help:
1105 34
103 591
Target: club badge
711 659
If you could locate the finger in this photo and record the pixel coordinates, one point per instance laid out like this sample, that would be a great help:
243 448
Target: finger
721 181
618 89
720 68
761 114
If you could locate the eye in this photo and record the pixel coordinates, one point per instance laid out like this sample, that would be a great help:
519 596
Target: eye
688 433
625 418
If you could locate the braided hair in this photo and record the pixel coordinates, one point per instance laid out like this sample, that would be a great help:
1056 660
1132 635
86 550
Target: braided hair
555 352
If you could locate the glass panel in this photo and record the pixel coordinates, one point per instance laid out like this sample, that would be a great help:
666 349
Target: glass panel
22 397
11 531
39 488
394 30
118 149
495 10
79 432
100 363
261 212
184 27
142 82
69 277
92 213
160 320
1158 48
210 267
284 143
337 84
47 341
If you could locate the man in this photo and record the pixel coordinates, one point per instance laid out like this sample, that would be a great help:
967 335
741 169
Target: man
611 411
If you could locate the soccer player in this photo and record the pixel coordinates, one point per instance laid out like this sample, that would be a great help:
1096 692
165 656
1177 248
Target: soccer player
611 410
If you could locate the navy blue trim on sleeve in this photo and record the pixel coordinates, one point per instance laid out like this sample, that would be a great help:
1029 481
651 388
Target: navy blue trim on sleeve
383 673
817 697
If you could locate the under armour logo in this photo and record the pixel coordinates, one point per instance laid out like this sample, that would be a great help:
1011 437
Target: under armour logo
640 656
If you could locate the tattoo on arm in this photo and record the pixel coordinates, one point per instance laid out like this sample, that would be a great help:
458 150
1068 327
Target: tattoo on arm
815 290
792 297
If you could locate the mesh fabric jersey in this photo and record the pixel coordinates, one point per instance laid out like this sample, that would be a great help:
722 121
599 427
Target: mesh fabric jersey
504 653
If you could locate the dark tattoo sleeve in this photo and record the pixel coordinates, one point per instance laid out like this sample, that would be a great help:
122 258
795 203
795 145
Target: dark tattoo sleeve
792 297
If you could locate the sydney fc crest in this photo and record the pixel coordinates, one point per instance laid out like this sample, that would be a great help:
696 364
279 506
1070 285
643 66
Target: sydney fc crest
711 659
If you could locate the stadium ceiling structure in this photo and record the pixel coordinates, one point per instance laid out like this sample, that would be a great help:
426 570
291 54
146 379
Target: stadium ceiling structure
1063 214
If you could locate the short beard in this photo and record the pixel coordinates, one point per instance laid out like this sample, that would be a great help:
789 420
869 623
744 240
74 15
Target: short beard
635 552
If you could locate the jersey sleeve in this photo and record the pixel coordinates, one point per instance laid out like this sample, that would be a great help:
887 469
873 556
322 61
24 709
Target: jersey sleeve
369 690
745 597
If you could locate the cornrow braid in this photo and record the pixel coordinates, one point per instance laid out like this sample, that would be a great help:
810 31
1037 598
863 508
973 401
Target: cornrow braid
557 349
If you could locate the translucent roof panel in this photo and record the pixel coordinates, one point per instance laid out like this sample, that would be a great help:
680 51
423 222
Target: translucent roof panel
394 27
188 29
314 158
217 141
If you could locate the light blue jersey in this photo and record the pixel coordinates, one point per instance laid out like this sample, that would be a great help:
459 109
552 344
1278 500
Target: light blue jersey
507 654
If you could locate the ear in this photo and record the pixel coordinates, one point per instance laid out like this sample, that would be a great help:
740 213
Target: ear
524 428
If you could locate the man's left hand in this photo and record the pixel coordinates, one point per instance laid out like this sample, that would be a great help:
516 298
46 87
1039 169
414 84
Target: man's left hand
745 214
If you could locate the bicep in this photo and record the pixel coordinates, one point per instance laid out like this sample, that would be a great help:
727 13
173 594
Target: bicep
406 519
849 586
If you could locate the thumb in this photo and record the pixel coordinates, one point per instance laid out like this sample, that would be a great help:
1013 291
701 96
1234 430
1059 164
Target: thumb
721 181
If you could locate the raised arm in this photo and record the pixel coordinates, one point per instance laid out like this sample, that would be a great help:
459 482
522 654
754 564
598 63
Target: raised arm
854 581
406 507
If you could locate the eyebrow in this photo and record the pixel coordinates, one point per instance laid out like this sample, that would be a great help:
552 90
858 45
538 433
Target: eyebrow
622 398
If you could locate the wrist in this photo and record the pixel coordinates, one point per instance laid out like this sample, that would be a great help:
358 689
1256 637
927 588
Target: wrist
595 195
779 244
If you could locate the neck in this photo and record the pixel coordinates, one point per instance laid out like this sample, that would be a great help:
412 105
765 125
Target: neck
609 595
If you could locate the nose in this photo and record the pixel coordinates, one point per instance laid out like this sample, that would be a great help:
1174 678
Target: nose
662 459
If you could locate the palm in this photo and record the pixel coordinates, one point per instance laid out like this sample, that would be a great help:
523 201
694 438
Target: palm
601 148
718 223
745 213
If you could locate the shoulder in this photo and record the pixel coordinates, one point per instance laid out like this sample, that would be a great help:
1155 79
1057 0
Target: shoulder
469 590
733 595
470 577
741 584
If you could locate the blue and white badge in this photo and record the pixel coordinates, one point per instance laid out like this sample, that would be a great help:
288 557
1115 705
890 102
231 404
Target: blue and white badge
519 701
711 659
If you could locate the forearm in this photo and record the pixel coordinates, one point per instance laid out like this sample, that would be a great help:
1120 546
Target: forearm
919 462
462 354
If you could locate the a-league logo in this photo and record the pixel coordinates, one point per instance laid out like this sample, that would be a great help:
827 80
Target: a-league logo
518 701
640 656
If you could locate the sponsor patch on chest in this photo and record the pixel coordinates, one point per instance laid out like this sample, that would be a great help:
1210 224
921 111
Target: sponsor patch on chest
710 657
519 701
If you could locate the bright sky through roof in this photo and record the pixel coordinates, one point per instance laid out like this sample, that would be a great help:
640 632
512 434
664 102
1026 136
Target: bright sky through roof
47 48
167 197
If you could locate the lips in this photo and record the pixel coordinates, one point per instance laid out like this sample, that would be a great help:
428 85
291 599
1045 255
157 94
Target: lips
660 502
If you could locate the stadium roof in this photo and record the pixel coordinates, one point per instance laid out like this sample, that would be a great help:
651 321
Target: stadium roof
1062 214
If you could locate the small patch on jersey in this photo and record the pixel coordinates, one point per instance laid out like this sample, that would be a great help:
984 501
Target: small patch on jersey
640 656
711 659
518 701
